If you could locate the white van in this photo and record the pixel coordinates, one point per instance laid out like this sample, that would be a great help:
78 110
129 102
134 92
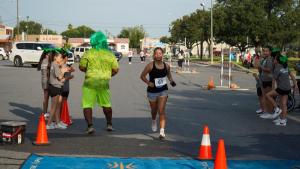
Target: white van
78 52
28 52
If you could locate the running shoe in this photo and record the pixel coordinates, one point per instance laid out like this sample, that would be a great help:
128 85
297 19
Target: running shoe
259 111
90 130
50 126
276 120
266 116
109 128
154 125
46 115
162 134
277 112
60 126
63 124
282 122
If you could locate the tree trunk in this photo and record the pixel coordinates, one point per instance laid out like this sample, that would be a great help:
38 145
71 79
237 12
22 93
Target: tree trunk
198 54
201 48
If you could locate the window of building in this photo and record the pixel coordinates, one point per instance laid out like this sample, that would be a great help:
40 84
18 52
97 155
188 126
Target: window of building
123 47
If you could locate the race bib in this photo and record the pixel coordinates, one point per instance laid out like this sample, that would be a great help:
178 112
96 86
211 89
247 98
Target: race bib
160 82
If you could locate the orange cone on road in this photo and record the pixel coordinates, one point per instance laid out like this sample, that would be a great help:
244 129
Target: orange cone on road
205 148
220 161
41 136
211 84
64 114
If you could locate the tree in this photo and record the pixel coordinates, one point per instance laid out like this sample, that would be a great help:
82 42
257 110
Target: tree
192 29
134 34
32 28
79 32
264 22
70 26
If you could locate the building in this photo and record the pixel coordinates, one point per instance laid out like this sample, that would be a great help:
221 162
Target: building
54 39
75 42
120 44
148 44
6 37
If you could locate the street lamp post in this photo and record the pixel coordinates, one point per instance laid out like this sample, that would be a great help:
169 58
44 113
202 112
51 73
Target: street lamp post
211 33
18 22
27 27
201 47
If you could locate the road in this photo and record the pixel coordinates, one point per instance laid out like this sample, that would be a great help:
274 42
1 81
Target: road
229 115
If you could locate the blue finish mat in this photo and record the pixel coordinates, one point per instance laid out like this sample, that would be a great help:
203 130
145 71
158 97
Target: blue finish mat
62 162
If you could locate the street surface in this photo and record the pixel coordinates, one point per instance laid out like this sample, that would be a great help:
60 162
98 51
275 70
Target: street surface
229 114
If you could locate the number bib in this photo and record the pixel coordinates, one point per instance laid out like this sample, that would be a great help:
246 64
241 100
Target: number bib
160 82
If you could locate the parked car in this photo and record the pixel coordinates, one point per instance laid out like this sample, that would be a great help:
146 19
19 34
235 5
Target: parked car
2 54
116 53
79 51
28 52
71 58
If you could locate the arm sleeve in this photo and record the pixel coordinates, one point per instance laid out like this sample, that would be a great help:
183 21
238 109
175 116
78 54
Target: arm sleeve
83 61
115 64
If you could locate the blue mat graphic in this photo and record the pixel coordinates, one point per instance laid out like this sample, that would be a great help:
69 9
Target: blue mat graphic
54 162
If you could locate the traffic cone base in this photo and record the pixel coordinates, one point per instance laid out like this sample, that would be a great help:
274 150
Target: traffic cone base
41 144
221 162
205 152
41 136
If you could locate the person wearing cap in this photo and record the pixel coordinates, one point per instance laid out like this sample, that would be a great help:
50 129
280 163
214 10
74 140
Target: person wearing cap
266 69
44 67
281 75
99 65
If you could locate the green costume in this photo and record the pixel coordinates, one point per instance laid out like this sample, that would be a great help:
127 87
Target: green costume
99 62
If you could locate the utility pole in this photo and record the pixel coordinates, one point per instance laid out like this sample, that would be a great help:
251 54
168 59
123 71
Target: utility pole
18 21
211 33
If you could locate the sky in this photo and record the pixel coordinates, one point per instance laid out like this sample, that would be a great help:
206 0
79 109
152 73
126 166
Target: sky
105 15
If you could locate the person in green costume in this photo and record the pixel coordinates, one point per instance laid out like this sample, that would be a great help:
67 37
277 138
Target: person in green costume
99 65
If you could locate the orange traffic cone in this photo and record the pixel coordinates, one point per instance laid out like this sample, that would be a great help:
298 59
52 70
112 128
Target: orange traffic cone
211 84
220 162
205 148
64 114
41 136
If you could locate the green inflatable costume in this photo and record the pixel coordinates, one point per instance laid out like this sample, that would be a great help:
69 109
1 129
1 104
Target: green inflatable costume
98 62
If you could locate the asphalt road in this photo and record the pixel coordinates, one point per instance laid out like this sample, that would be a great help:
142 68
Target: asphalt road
229 115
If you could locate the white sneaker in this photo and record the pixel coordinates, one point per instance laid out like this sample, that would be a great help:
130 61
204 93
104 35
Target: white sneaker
277 112
266 116
162 134
46 115
63 124
282 122
50 126
154 126
60 126
276 120
130 63
259 111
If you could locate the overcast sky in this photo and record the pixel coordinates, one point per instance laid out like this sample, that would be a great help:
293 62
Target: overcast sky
105 15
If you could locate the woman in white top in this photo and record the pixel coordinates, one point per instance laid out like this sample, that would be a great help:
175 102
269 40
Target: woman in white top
130 56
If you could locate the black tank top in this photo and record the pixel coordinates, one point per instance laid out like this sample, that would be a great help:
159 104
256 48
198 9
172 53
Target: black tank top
159 78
